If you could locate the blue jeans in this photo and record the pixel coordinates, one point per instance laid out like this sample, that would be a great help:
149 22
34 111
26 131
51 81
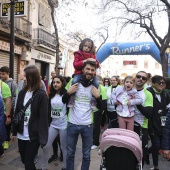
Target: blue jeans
73 132
77 78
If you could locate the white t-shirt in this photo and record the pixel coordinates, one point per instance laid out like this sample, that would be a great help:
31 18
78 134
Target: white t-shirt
25 135
147 102
124 98
81 113
110 105
58 113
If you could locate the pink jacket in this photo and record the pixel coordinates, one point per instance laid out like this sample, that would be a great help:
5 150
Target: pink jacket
135 98
79 57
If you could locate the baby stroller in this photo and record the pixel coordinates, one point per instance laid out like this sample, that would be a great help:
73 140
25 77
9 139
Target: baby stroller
121 149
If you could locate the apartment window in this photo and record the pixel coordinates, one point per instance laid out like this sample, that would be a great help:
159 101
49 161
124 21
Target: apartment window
44 16
146 64
156 65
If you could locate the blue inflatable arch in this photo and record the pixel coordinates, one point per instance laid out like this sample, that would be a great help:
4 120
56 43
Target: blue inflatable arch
126 48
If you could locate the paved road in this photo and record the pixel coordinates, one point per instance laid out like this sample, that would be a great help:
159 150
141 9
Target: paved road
11 160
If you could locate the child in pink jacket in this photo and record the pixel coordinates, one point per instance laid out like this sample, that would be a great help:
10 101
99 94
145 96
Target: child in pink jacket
125 97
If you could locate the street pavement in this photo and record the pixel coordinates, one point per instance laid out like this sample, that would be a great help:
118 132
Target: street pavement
11 160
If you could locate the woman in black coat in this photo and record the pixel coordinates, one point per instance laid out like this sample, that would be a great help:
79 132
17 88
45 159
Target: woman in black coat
32 131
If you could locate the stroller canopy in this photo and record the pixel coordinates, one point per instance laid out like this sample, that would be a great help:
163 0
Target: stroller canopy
122 138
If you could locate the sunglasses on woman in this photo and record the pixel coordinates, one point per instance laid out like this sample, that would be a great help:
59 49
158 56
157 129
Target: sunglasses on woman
160 83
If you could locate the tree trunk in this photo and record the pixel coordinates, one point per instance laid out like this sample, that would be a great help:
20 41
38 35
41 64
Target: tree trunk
164 65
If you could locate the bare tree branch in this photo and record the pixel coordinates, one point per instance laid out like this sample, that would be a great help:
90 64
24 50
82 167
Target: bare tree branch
104 37
145 18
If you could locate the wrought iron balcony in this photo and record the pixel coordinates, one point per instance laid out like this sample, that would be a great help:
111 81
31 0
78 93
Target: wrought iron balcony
42 37
22 27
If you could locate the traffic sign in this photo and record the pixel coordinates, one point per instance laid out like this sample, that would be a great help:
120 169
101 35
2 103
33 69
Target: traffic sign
20 9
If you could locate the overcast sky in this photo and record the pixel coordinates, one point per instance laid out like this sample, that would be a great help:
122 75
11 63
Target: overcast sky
78 17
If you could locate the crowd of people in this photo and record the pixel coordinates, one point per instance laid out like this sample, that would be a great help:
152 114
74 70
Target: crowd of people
61 110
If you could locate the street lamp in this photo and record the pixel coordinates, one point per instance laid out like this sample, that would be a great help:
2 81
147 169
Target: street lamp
12 38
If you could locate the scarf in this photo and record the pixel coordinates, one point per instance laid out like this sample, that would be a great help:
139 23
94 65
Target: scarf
85 82
157 92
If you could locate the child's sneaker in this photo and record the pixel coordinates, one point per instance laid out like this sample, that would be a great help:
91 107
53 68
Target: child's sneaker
71 101
6 145
93 104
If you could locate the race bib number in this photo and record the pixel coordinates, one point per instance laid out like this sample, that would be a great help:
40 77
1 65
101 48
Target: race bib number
163 120
27 116
56 113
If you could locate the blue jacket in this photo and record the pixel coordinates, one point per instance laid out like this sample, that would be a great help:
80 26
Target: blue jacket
166 133
2 123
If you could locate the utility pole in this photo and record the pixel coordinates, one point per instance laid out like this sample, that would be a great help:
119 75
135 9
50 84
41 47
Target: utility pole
12 39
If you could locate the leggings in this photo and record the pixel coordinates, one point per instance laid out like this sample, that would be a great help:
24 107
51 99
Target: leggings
126 122
53 132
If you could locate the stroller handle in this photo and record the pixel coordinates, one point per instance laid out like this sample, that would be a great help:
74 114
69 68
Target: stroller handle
109 124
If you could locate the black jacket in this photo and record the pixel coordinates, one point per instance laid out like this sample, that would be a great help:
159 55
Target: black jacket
38 122
155 122
166 133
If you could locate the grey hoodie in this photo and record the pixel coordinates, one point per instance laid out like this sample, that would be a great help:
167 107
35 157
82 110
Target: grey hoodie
13 87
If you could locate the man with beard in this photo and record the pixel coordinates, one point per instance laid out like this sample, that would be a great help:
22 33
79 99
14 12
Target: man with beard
80 116
143 111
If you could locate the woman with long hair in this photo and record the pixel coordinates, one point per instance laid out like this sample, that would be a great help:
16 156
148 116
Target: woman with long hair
58 112
32 131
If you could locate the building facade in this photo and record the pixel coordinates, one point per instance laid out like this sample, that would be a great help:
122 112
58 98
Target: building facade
34 41
23 37
121 65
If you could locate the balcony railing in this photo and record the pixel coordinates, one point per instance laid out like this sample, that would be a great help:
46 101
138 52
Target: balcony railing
22 26
43 37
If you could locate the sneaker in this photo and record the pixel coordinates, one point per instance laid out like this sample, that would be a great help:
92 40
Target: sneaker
71 101
1 155
94 147
53 158
6 145
36 158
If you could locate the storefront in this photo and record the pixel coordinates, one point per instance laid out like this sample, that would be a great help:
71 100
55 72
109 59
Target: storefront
5 56
44 62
